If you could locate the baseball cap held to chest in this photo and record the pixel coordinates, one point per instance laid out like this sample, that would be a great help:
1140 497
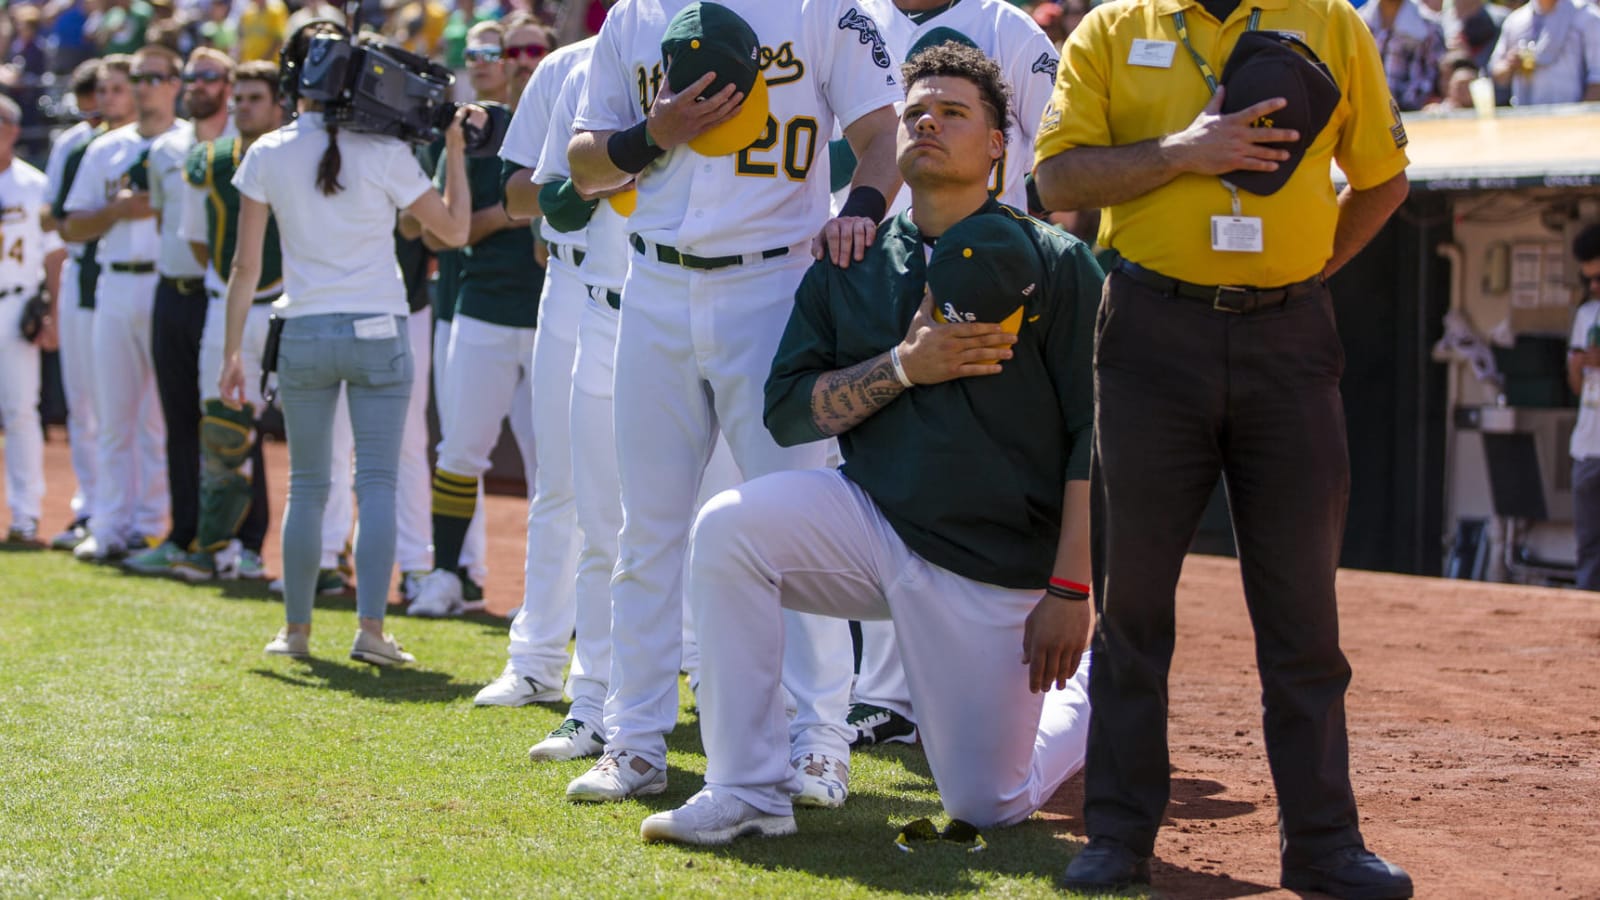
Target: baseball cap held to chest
709 37
1268 64
984 269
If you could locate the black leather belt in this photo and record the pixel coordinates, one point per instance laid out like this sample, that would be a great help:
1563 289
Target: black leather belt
14 289
672 257
133 268
186 286
576 254
1223 297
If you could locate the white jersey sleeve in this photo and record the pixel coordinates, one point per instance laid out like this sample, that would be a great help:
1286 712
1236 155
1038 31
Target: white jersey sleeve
553 165
611 100
858 71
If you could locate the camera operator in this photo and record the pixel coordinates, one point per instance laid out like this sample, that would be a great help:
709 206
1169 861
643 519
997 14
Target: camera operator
334 197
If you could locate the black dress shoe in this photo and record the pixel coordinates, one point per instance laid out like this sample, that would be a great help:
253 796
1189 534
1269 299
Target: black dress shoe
1106 865
1354 873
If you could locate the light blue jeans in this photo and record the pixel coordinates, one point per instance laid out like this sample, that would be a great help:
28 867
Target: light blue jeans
316 355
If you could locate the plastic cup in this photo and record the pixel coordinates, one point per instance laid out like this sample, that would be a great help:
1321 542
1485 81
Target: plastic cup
1482 90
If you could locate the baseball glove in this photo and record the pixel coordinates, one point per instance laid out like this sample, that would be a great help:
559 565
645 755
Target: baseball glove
34 314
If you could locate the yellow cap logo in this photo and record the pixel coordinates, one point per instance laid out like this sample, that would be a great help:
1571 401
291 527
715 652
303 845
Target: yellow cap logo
694 44
967 253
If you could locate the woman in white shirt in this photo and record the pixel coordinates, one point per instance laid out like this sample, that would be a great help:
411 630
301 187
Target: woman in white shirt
335 197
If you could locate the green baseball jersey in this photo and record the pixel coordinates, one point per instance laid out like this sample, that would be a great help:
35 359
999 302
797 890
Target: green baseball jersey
970 473
447 263
210 167
88 264
500 282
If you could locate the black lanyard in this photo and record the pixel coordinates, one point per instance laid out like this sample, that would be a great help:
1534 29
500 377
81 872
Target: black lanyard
1182 22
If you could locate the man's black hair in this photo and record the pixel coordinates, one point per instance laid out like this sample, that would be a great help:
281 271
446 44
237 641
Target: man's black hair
1586 246
956 60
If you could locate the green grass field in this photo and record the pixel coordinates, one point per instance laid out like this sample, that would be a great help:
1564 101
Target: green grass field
150 748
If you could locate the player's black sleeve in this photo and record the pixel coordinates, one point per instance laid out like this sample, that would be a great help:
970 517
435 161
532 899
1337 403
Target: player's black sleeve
804 354
1069 350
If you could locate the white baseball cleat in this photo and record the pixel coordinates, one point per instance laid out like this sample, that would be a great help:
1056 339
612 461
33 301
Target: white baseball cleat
438 596
824 781
711 818
617 776
512 689
93 549
572 739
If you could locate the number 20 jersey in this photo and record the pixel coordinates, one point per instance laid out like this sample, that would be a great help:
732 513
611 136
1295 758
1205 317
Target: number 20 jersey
822 60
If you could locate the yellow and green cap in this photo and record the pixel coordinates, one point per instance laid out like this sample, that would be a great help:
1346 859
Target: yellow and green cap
709 37
984 269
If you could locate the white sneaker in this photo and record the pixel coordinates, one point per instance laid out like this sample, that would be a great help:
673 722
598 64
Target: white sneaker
74 535
511 689
710 818
409 583
93 549
617 776
225 562
290 643
571 740
438 596
384 652
824 781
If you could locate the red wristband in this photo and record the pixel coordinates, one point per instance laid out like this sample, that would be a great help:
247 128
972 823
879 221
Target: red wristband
1069 585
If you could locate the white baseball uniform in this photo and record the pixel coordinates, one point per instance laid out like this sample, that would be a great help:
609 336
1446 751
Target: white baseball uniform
23 245
1011 38
133 498
541 629
694 345
593 450
74 330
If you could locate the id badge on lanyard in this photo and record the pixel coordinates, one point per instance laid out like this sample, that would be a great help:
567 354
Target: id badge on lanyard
1236 233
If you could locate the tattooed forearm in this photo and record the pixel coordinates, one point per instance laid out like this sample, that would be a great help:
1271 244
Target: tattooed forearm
844 398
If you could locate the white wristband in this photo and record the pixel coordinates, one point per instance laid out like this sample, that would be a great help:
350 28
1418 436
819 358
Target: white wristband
899 369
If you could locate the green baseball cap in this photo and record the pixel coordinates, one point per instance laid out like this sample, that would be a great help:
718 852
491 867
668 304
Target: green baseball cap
937 36
984 269
709 37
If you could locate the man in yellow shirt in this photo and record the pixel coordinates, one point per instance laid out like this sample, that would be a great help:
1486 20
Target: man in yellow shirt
263 24
1217 354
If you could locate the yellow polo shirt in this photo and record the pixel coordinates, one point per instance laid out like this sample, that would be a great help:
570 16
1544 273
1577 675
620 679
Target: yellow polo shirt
1101 100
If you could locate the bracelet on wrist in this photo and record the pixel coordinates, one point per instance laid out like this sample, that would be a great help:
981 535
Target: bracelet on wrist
899 368
1064 594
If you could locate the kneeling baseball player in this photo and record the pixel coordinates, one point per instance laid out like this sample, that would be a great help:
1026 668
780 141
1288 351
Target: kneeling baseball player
953 364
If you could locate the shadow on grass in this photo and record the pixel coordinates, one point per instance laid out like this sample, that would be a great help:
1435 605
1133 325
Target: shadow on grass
400 685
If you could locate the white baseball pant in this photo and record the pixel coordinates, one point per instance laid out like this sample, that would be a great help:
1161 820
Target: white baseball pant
19 409
414 478
132 494
882 679
75 326
337 516
814 541
541 628
598 500
474 553
693 352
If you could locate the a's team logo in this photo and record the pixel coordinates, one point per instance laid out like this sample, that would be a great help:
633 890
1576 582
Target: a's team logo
854 20
780 65
951 314
1046 65
1051 118
1398 130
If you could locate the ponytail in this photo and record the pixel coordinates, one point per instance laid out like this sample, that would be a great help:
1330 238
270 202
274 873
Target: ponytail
328 167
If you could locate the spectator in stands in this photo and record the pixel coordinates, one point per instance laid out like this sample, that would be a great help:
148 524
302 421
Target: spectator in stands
1050 18
1583 376
1456 73
218 29
1473 26
1549 52
263 25
122 27
66 20
1411 43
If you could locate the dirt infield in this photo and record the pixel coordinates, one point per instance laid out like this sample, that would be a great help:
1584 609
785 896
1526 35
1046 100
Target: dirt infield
1474 721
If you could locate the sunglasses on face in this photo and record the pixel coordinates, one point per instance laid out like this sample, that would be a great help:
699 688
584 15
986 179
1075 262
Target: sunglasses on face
204 77
531 51
483 54
149 78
